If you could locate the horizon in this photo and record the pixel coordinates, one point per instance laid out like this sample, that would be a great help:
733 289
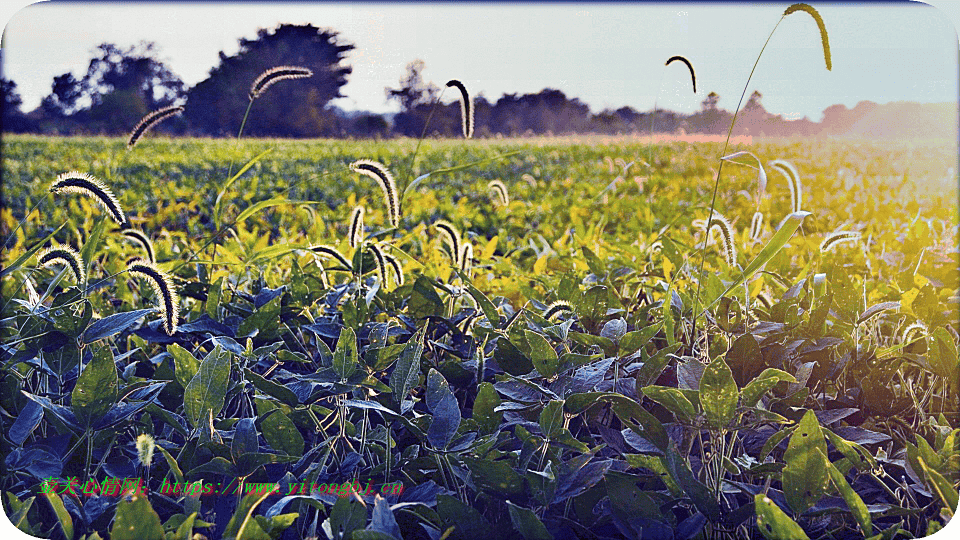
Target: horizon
882 53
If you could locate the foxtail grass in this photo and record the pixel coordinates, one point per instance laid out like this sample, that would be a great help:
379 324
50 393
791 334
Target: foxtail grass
85 184
325 250
150 120
557 308
693 75
756 226
832 240
356 227
397 268
466 108
719 225
380 262
501 191
386 182
793 180
144 242
274 75
451 238
466 258
67 256
162 286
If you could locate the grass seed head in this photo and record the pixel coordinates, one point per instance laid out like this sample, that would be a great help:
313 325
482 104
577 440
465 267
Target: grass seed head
756 226
356 226
85 184
150 120
693 76
162 286
326 250
832 240
793 180
67 256
143 240
466 108
145 447
451 238
824 38
501 189
397 268
386 182
274 75
720 225
556 308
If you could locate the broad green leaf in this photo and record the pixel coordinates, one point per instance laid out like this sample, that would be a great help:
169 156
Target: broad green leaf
185 365
445 409
271 388
527 523
7 268
674 401
495 476
551 419
263 322
63 517
136 520
229 182
242 526
489 310
279 431
96 389
483 408
345 357
702 498
406 372
762 384
206 390
805 476
853 500
774 523
211 307
941 486
469 523
542 355
745 359
113 324
424 300
943 354
244 438
718 394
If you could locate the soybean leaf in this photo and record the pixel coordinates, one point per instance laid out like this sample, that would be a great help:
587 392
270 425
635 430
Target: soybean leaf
345 357
853 500
527 523
805 476
63 517
279 431
136 520
406 372
551 419
484 408
96 389
542 355
207 389
114 324
761 384
774 523
718 393
445 408
185 365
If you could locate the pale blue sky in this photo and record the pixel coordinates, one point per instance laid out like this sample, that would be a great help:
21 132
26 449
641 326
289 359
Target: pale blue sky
608 55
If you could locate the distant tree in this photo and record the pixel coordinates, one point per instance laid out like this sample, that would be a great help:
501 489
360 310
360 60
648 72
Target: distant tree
754 119
295 108
710 119
710 103
418 104
413 91
64 97
11 119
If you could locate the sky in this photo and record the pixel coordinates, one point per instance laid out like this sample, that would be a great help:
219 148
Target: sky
608 55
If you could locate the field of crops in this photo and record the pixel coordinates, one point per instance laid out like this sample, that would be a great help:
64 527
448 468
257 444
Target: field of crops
538 339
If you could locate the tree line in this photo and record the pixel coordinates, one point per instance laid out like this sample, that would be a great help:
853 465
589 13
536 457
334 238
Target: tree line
121 85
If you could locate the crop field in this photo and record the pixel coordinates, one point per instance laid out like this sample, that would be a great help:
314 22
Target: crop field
507 338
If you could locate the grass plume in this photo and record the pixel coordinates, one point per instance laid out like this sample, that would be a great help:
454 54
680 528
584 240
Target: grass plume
832 240
397 268
162 286
466 108
143 240
356 227
693 76
85 184
275 75
451 238
756 226
325 250
386 182
501 189
381 263
556 308
793 180
150 120
67 256
824 38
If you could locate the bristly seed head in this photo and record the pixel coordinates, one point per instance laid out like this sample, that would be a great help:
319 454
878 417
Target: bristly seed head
693 76
85 184
143 240
721 225
832 240
330 251
913 328
824 39
145 447
793 180
381 263
556 308
276 74
385 180
66 255
356 227
451 238
466 258
756 226
150 120
466 108
397 268
501 189
162 286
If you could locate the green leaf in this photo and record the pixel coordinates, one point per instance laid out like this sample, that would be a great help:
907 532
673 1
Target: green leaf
943 354
275 201
674 401
780 239
469 523
718 394
483 408
424 300
346 516
271 388
206 390
761 384
527 523
184 363
773 523
406 372
345 357
702 498
228 183
652 368
445 408
263 322
241 524
96 389
542 355
30 252
279 431
114 324
941 486
631 342
854 502
510 358
63 517
551 419
805 476
745 359
244 438
489 310
136 520
495 476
